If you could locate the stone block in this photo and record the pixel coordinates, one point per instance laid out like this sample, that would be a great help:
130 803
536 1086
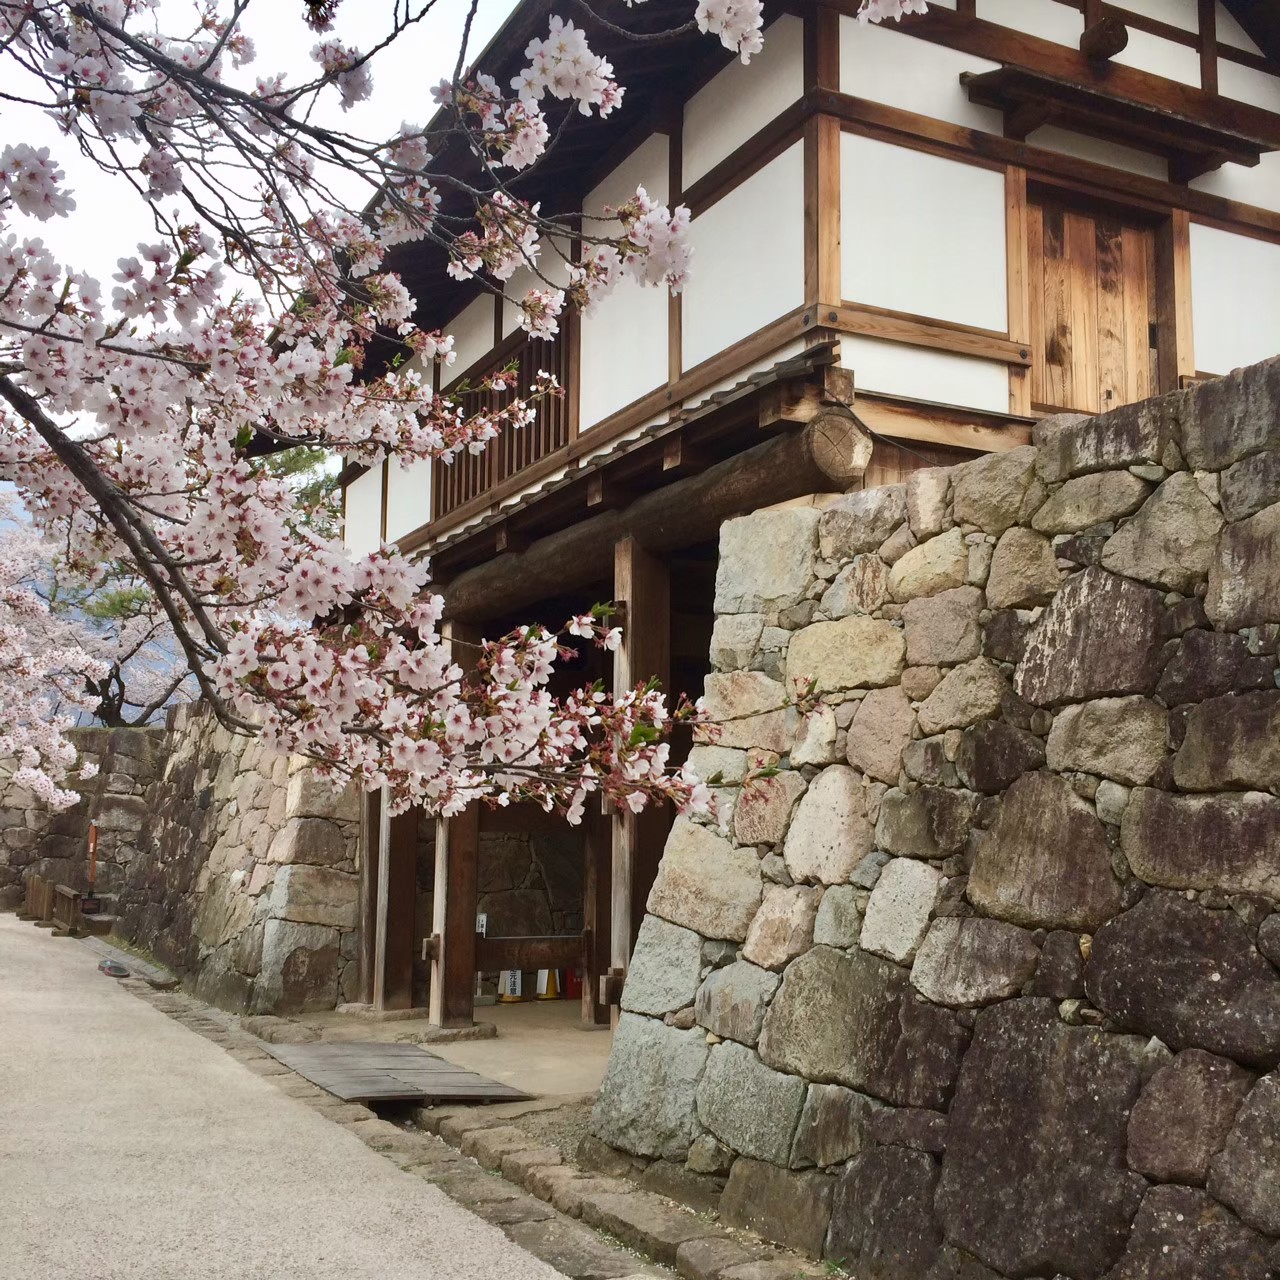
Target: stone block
929 822
1041 1187
939 564
644 1222
859 522
1060 972
1102 635
1133 435
1231 742
854 653
816 740
942 630
968 693
928 490
749 1107
708 1259
1183 1116
1091 500
897 915
1247 486
1174 969
830 833
924 760
1208 664
1223 842
735 640
1045 861
747 709
912 1127
879 732
705 884
1119 738
993 755
839 919
731 1001
883 1223
832 1127
1024 571
968 962
315 841
1004 636
860 587
646 1104
315 895
1246 1174
718 765
766 560
1171 542
299 968
783 927
308 795
764 806
1244 578
991 491
665 969
1226 419
792 1208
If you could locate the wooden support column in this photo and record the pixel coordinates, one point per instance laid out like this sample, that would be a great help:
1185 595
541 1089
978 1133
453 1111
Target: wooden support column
394 906
1018 248
642 585
596 911
1175 347
822 211
453 966
370 921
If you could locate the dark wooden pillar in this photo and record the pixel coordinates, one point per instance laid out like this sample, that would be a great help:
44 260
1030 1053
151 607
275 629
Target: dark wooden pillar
370 922
597 846
392 887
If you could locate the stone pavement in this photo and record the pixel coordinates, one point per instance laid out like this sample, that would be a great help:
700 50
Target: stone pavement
130 1147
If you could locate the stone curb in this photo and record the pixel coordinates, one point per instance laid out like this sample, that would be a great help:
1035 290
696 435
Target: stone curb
674 1236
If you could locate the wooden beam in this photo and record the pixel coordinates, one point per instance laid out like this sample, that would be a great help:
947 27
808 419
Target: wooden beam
1018 284
822 210
1208 14
546 951
1175 345
821 48
953 427
919 331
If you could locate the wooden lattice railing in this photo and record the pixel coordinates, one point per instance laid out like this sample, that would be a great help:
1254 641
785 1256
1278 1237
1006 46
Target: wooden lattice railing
472 476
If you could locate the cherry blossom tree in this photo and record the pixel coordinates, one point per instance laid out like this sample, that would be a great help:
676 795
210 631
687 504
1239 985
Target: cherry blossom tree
245 321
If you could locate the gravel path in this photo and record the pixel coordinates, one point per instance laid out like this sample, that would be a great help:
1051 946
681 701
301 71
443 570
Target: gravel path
131 1147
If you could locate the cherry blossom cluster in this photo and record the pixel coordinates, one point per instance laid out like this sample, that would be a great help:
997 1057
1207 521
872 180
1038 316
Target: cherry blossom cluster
884 10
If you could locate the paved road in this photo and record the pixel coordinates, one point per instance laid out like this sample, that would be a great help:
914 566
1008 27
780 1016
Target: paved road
131 1147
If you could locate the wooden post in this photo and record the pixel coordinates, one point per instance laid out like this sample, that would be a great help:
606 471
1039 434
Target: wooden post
401 911
380 902
1019 284
596 911
1176 351
642 585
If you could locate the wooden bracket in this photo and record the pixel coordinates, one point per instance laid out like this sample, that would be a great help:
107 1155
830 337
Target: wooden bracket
681 458
604 493
1103 39
611 986
507 539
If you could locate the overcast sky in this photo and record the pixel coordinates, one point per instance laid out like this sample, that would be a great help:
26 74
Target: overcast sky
110 218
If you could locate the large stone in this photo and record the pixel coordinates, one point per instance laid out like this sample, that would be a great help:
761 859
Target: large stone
299 968
646 1104
1102 635
1024 571
816 739
1207 664
1120 738
1247 486
1045 861
853 653
1226 419
1173 969
1171 541
929 822
1184 1235
833 1126
665 968
883 1224
766 560
860 522
316 841
783 927
1034 1180
956 1264
993 755
830 833
1244 579
936 565
735 640
854 1020
1233 741
991 491
315 895
860 587
1246 1173
1184 1115
839 919
746 709
968 693
1229 843
880 730
1134 435
1060 973
310 795
792 1208
706 884
1090 500
971 962
898 913
748 1106
927 492
942 630
718 766
764 806
731 1002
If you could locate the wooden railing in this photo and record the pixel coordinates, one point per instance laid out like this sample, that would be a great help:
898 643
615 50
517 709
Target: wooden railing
471 476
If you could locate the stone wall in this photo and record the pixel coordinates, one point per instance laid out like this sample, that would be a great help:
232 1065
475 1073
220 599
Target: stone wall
979 973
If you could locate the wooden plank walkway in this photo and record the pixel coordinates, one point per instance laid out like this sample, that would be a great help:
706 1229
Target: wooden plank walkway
357 1071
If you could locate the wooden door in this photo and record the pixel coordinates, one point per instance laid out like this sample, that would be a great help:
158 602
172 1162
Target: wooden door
1093 307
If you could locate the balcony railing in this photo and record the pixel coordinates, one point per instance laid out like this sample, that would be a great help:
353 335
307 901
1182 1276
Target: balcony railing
472 477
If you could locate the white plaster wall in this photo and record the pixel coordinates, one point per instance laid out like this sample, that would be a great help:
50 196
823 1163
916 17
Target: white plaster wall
748 259
1230 32
923 374
1259 185
1245 84
1161 57
1175 13
1235 299
624 337
362 525
741 100
408 497
1044 18
788 351
922 234
1065 142
900 70
472 330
